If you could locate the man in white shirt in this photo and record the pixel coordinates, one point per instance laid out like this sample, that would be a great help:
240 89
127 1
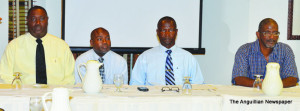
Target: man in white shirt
166 64
112 62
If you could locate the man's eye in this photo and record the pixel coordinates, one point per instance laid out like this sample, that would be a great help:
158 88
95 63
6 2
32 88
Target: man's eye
33 19
42 18
99 39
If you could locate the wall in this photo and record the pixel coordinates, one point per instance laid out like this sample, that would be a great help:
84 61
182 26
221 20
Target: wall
227 24
53 8
3 26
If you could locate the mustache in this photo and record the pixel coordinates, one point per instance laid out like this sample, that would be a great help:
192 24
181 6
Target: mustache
271 40
37 26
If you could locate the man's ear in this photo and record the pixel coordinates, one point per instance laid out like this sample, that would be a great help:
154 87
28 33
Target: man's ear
91 43
258 35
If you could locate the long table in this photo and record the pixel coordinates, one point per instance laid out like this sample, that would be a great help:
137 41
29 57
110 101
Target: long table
203 98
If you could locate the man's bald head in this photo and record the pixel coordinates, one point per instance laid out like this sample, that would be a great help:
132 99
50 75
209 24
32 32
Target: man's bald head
166 19
265 22
97 31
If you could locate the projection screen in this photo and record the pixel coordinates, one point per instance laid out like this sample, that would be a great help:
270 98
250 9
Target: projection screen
132 24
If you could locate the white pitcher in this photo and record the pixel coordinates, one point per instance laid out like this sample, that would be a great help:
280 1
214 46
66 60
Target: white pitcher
272 84
60 100
92 82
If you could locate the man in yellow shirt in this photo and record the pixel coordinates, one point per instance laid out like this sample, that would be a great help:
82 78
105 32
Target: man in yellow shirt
40 57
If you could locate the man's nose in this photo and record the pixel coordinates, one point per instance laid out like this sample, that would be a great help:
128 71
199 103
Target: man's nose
104 41
168 33
272 36
38 21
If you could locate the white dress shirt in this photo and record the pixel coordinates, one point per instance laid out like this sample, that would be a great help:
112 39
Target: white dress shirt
113 64
149 68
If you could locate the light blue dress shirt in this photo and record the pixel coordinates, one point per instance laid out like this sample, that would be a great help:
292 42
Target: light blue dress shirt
113 64
149 68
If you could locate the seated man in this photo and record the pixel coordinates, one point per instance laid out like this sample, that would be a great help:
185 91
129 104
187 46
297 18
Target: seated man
252 58
40 57
166 64
112 62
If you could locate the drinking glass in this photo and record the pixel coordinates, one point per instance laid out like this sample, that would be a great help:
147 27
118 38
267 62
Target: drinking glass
187 87
118 81
36 104
257 83
17 82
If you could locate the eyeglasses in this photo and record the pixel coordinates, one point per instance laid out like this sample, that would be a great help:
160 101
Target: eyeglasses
163 89
268 34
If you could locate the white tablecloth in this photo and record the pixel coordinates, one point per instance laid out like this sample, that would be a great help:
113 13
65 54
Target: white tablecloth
203 98
14 103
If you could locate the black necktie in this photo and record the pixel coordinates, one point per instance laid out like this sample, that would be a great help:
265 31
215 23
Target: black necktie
41 76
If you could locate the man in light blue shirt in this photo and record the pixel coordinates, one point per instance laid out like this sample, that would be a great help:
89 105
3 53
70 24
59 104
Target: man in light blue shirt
156 67
113 63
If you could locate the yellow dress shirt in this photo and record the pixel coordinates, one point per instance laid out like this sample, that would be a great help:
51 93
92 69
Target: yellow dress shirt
19 56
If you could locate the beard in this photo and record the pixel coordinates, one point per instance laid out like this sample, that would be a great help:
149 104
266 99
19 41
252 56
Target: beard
270 43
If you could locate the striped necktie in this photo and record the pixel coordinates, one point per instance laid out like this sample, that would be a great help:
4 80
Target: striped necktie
170 80
101 69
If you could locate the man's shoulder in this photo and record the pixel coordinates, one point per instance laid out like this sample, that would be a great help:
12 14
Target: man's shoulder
284 46
19 40
150 51
86 55
182 51
117 56
284 49
57 40
246 47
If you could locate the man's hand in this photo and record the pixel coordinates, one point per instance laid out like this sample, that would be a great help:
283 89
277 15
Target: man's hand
244 81
289 82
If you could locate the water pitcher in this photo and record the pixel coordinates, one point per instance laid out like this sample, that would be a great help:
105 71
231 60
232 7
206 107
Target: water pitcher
272 84
92 82
60 100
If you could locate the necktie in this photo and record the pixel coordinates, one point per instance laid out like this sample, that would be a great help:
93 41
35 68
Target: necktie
41 76
169 69
102 69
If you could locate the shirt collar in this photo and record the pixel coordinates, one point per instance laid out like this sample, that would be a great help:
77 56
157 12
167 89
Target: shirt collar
96 56
34 39
164 49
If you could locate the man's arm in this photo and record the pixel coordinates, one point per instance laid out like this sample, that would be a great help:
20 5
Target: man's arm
124 70
240 68
6 64
138 76
289 73
82 70
244 81
195 72
289 82
69 67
